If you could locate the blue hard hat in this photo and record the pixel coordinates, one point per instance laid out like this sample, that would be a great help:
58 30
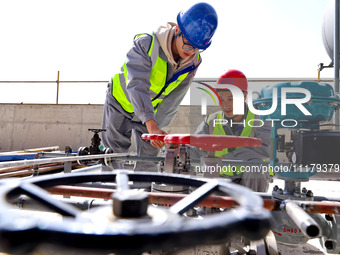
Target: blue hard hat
198 24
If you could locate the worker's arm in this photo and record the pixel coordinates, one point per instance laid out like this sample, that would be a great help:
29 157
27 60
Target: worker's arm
139 66
153 128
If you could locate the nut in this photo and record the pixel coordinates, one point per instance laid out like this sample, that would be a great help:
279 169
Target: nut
309 193
130 203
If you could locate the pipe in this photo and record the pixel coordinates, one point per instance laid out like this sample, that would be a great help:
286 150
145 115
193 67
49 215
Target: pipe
14 169
116 156
51 148
27 203
169 199
154 198
327 207
57 100
336 58
197 161
303 220
29 172
87 169
57 160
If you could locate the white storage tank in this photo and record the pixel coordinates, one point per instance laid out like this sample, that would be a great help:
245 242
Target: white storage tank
328 28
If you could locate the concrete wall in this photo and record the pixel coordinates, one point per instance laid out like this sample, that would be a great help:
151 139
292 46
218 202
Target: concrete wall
25 126
35 126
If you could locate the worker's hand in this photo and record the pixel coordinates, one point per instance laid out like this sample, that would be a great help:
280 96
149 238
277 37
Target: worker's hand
153 128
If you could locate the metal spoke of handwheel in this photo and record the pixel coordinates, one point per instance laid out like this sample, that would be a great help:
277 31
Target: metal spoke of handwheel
45 198
194 198
122 181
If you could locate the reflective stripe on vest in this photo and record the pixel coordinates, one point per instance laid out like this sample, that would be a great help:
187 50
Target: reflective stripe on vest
157 79
246 132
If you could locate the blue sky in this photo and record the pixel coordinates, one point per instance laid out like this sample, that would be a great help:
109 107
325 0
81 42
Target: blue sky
87 40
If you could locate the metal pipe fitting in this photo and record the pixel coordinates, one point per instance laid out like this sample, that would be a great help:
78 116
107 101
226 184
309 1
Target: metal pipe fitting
303 220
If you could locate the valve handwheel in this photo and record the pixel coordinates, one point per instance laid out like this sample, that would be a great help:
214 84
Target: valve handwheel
207 142
154 228
153 137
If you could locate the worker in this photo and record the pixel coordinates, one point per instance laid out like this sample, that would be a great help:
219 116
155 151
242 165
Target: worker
145 95
225 122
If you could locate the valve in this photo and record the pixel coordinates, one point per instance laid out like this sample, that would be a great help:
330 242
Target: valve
94 149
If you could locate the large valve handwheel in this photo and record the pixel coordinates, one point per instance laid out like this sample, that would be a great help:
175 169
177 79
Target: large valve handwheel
101 230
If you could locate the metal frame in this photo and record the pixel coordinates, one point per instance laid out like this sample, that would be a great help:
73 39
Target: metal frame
58 81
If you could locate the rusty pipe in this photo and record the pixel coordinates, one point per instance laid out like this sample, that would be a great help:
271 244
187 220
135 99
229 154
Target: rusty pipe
169 199
155 198
14 169
161 198
28 172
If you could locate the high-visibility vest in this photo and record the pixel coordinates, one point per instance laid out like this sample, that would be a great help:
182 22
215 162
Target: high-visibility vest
246 132
159 88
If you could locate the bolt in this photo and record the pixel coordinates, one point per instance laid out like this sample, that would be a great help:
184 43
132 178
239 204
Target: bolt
297 194
304 190
309 193
329 217
161 166
191 213
280 191
68 149
275 188
329 245
251 252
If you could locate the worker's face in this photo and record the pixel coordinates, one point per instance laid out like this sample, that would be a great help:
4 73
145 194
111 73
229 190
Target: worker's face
184 48
227 102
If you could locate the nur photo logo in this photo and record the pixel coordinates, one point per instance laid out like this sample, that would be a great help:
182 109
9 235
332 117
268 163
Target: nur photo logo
280 101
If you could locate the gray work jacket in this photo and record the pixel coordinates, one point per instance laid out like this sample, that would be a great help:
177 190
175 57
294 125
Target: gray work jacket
139 68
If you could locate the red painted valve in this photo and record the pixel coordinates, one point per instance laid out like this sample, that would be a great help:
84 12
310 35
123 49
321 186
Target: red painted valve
153 137
207 142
